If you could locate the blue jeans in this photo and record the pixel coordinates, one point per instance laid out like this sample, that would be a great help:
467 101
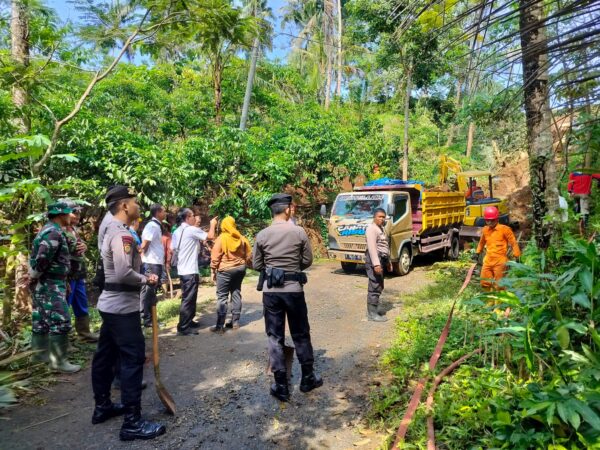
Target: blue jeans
78 298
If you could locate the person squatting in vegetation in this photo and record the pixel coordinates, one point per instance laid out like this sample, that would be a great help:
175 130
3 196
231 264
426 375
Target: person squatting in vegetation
495 238
377 258
50 265
230 256
77 297
281 252
153 258
121 336
185 247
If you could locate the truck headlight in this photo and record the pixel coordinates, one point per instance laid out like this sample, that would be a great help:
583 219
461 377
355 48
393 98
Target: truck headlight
332 244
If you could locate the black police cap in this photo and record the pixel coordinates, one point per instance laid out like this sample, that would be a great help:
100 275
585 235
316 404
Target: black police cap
119 193
280 199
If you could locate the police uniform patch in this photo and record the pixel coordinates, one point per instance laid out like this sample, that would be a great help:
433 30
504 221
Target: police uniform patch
127 243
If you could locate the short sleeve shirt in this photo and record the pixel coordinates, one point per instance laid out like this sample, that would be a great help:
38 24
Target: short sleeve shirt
155 253
187 256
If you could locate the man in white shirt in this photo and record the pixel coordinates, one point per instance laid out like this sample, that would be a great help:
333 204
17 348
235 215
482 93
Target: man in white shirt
185 245
153 257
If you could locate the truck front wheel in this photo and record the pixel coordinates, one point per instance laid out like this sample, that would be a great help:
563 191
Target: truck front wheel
348 267
402 266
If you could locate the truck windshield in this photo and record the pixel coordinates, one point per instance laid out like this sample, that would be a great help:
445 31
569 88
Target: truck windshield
358 206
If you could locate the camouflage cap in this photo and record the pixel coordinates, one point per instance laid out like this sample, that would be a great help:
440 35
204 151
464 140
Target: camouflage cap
60 207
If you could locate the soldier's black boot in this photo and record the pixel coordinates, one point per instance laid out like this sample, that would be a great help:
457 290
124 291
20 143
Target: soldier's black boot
310 380
134 427
280 389
105 409
219 328
372 314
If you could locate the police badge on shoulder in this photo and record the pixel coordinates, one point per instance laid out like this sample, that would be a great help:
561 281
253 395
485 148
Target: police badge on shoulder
127 243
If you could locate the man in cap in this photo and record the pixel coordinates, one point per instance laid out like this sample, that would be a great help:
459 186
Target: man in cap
121 332
281 252
50 265
78 295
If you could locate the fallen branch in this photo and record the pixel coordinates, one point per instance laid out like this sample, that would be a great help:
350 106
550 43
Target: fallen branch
45 421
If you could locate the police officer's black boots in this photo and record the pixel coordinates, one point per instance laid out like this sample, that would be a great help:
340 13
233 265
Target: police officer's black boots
280 389
105 409
134 427
310 380
219 328
372 314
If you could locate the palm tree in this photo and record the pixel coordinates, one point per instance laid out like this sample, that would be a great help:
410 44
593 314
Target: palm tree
313 48
259 9
219 37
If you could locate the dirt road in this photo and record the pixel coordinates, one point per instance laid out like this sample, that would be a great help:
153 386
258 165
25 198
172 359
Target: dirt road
220 384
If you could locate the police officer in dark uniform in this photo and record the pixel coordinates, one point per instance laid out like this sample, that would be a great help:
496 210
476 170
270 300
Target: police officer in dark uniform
121 332
281 252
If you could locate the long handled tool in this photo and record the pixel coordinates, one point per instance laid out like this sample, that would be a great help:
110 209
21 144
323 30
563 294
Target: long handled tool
162 392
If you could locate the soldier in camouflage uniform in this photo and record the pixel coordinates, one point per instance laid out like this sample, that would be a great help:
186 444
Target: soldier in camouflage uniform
77 298
50 265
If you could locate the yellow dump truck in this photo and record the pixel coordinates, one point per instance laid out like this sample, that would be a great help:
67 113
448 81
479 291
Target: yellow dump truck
418 221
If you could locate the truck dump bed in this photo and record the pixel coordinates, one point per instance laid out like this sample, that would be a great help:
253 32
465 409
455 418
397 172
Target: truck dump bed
438 211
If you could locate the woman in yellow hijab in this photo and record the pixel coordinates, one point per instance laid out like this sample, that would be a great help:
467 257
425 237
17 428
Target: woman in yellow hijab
230 256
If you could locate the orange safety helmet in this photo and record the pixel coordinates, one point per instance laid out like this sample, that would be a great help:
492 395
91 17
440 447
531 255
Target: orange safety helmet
491 213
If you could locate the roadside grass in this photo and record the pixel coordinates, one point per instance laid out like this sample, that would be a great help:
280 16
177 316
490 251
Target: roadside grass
418 327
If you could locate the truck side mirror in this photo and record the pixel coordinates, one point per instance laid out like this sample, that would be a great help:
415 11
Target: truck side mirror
391 209
323 211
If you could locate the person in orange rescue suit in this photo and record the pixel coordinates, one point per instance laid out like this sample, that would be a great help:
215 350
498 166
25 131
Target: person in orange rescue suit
495 238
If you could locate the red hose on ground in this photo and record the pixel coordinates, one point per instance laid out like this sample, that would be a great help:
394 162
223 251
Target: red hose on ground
413 404
436 382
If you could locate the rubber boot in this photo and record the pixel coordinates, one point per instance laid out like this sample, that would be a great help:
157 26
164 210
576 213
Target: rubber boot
105 409
59 343
40 343
82 326
372 314
219 328
380 310
280 389
134 427
310 380
235 321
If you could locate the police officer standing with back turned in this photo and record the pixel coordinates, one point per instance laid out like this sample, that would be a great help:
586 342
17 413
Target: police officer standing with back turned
281 252
121 332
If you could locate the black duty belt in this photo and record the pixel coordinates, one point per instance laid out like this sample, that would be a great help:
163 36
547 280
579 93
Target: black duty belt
119 287
300 277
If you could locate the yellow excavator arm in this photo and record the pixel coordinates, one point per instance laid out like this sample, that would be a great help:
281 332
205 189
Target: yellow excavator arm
450 164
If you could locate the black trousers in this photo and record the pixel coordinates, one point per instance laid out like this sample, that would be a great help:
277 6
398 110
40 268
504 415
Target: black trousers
278 306
375 287
120 337
148 293
189 296
229 282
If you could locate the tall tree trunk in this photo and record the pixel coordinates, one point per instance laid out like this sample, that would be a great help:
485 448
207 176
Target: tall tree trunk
328 79
217 81
249 83
470 137
340 55
19 50
544 183
452 128
406 123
